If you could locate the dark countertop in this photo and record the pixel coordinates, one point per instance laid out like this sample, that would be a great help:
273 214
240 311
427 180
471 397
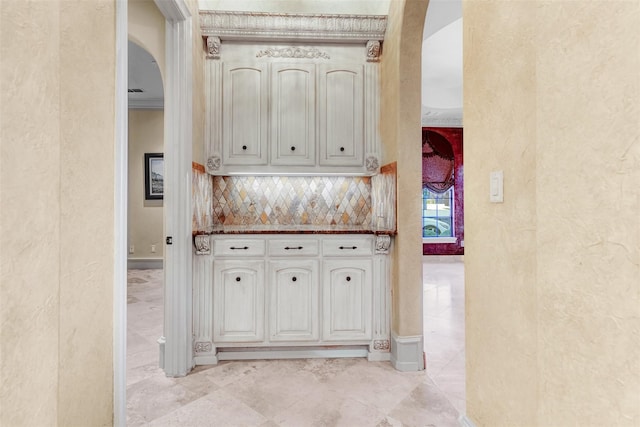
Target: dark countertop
292 229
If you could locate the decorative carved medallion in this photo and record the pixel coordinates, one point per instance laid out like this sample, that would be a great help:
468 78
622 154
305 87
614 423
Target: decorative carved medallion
202 244
292 26
373 51
381 345
213 47
214 162
383 241
372 163
202 347
292 52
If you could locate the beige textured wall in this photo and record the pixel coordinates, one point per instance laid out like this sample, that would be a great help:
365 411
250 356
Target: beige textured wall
552 275
401 139
146 135
57 248
87 134
29 213
500 239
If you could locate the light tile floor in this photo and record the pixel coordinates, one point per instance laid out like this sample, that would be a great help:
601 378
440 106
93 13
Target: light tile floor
305 392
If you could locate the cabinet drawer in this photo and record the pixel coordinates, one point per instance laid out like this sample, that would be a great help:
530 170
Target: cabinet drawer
238 247
348 246
293 247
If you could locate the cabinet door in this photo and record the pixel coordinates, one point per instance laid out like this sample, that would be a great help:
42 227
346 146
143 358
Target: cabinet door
293 292
293 129
238 301
347 294
244 110
341 103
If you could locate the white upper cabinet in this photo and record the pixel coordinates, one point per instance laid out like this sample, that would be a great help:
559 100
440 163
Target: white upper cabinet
293 114
304 110
245 114
341 104
292 94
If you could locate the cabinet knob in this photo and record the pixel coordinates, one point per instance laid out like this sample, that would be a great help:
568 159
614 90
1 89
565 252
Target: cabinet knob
238 279
244 147
348 278
294 278
293 148
342 149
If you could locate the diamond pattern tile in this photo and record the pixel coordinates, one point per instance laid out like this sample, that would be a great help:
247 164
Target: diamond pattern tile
291 200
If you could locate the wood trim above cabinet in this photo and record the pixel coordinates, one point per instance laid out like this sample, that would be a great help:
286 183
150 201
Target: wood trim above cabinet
255 26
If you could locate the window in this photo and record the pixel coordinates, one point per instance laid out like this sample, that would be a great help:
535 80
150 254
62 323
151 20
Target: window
437 213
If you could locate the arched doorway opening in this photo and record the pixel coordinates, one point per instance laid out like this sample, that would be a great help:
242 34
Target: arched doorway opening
176 26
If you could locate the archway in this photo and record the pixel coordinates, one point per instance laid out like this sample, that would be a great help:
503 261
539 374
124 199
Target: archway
401 138
178 147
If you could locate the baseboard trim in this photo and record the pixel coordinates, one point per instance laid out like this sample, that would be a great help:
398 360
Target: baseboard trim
161 343
145 263
205 360
378 356
464 421
443 258
407 353
254 354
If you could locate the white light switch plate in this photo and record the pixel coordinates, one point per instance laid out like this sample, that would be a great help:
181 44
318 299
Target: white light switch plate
496 187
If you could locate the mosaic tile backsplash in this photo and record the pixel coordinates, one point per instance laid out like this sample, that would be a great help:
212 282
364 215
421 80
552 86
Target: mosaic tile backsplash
281 200
201 195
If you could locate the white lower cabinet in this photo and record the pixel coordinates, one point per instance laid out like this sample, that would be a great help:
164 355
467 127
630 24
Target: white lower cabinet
347 295
293 309
238 301
290 296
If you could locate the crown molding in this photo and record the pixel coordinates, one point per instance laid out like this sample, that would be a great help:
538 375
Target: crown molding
292 26
146 104
442 122
441 117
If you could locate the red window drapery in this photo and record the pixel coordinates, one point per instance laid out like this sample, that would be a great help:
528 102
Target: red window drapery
437 162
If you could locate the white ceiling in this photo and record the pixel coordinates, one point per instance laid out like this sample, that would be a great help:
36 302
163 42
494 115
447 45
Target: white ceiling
144 74
442 64
441 52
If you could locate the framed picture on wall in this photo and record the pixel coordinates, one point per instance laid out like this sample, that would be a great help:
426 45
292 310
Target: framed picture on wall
153 176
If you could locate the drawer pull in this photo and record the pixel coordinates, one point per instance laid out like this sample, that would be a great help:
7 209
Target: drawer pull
348 247
244 147
294 278
238 279
287 248
348 278
293 148
342 149
244 248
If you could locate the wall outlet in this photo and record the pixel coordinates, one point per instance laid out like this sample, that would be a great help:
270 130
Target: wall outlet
131 249
153 249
